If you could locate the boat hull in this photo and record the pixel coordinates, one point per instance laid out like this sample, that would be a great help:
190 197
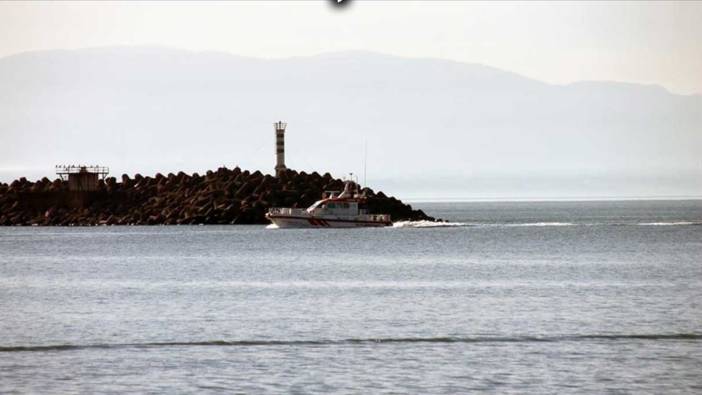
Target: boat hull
318 222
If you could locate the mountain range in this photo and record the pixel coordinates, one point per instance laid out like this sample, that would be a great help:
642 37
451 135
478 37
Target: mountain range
422 127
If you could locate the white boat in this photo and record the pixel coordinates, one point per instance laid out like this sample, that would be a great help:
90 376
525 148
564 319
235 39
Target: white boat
344 210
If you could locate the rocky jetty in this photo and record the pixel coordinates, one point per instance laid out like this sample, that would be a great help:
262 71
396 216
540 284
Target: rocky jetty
224 196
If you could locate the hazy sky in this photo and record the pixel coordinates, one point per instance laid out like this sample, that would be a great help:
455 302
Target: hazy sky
659 43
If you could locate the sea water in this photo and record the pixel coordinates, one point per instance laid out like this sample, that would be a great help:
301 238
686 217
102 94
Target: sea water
506 298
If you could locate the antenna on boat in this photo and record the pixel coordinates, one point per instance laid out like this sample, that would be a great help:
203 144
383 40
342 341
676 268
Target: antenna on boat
353 182
365 161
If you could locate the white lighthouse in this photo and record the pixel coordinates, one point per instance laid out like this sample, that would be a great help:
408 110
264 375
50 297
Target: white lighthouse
280 147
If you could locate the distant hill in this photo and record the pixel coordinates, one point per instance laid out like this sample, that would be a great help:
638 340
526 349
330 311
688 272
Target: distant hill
433 127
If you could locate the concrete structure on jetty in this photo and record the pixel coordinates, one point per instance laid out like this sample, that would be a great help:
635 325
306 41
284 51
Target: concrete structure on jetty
82 178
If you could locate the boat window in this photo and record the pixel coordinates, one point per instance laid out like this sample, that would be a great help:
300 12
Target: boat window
331 205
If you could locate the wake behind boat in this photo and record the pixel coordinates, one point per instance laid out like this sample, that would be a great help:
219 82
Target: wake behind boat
345 210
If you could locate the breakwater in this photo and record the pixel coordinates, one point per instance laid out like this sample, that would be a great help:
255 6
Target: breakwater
224 196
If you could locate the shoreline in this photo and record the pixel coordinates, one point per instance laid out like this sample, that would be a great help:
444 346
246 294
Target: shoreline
221 197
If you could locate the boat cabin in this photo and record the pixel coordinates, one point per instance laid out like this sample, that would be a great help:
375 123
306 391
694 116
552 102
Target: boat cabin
337 207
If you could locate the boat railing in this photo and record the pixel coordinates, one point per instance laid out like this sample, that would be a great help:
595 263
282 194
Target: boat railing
287 211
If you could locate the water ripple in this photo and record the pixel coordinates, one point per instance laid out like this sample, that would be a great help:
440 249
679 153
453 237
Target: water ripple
360 341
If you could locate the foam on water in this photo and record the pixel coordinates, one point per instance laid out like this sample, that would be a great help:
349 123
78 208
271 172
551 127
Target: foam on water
539 224
426 224
431 224
680 223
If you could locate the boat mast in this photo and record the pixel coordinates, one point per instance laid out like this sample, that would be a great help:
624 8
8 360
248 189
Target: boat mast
365 160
